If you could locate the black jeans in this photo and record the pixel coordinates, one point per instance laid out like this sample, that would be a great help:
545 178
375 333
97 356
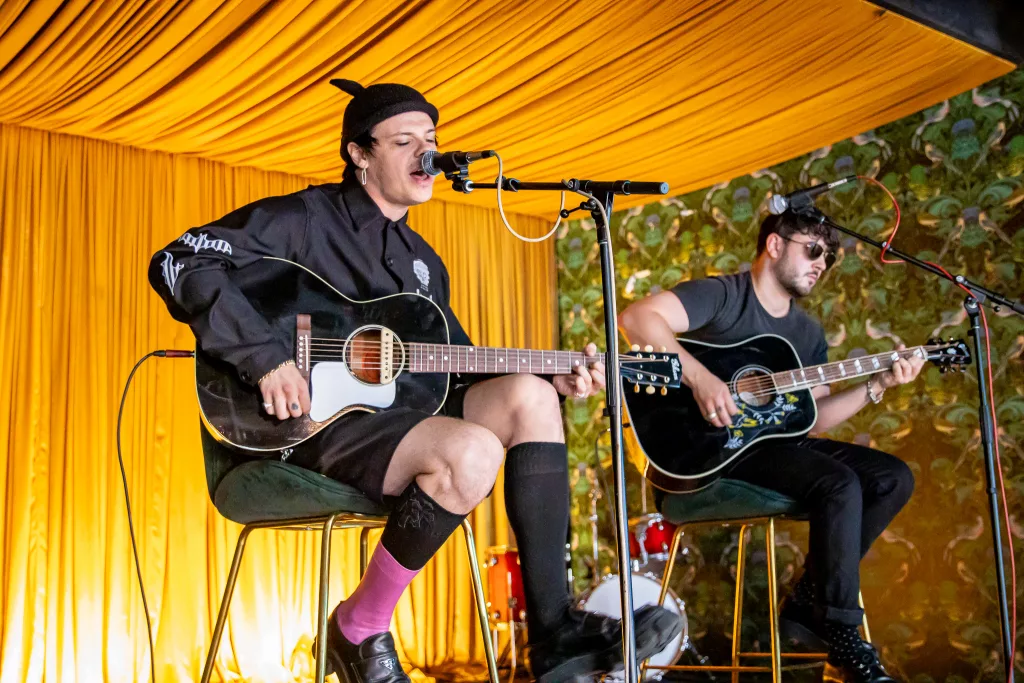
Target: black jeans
851 493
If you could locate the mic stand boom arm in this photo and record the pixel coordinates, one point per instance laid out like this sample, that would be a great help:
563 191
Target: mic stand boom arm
981 294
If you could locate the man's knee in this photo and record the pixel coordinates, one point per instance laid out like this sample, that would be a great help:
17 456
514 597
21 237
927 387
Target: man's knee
897 485
471 456
531 395
841 485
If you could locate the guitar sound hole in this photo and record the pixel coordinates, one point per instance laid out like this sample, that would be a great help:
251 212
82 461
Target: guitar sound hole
754 387
362 355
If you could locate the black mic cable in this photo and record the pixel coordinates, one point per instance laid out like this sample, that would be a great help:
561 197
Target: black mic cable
162 353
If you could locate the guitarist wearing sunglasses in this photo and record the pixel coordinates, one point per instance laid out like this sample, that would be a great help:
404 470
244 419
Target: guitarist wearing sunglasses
852 492
433 469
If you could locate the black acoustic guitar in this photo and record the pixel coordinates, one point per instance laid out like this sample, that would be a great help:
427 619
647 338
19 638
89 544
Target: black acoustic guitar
371 356
683 452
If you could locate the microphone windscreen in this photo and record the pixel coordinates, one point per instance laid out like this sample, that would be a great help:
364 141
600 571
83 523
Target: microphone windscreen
777 204
427 163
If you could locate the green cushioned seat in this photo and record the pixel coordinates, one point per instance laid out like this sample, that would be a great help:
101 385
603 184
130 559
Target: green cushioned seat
246 490
725 500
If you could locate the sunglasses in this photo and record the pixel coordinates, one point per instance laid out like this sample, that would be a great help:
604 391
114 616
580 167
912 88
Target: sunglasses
815 250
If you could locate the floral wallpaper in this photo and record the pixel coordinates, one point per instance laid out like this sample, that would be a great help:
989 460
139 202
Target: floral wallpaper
957 171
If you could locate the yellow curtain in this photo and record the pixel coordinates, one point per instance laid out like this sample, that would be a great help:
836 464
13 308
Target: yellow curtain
79 220
691 92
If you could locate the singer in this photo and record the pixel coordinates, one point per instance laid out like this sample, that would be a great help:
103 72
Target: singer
434 469
851 492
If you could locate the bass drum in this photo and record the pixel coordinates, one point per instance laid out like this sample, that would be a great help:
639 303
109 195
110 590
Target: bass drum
605 599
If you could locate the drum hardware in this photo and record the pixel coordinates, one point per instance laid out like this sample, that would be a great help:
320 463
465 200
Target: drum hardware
604 599
506 601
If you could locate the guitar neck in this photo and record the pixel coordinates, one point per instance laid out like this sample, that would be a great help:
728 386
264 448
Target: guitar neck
828 373
493 360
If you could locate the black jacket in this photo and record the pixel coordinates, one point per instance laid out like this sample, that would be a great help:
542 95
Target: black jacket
334 230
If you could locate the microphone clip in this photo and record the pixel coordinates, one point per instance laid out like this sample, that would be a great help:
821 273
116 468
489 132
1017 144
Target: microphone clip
460 178
588 205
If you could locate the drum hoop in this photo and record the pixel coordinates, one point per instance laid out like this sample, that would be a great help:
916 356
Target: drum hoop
669 594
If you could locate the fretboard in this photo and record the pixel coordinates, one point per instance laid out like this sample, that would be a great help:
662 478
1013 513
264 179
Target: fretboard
817 375
493 360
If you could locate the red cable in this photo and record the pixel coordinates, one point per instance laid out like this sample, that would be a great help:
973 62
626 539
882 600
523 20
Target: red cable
995 424
888 242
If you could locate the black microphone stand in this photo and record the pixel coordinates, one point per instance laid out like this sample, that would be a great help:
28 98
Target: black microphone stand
972 304
603 192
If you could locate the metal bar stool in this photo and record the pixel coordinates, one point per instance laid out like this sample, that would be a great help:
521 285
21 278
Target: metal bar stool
270 494
728 502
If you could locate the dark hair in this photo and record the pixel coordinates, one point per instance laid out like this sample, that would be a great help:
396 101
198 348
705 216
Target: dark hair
366 141
788 223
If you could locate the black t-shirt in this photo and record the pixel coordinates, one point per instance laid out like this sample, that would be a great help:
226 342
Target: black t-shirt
726 310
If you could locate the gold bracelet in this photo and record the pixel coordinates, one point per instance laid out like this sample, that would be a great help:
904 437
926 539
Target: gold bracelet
287 362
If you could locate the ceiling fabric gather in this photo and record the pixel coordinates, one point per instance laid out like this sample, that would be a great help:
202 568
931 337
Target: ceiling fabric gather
690 92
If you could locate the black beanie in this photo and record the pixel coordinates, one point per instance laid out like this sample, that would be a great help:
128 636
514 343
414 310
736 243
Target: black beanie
370 106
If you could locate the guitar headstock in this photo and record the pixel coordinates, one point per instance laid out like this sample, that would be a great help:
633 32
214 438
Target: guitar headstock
651 368
952 354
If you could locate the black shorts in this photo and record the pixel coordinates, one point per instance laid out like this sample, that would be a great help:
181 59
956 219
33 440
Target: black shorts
357 448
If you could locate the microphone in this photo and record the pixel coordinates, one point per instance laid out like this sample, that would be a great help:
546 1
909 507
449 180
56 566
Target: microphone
434 163
802 199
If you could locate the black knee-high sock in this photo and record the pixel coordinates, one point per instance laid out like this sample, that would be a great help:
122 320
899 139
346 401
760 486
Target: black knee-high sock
417 527
537 501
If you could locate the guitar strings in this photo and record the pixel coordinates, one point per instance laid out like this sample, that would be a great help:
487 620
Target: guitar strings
765 385
456 356
405 365
458 350
425 347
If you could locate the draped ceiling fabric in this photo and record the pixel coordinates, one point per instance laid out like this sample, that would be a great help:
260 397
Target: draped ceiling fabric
124 123
689 92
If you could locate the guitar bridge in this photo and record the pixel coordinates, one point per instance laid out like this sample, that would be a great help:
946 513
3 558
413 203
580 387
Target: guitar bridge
303 336
387 356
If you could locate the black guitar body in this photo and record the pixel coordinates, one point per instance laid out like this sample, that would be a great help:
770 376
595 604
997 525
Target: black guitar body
683 451
233 410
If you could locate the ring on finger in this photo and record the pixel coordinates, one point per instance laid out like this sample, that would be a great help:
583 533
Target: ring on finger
269 407
712 415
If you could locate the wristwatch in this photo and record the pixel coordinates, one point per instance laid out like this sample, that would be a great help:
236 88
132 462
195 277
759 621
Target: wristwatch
875 398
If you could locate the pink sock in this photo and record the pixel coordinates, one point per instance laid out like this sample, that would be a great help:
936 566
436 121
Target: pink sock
368 610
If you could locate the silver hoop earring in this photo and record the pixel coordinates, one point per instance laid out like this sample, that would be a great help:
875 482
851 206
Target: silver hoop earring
362 177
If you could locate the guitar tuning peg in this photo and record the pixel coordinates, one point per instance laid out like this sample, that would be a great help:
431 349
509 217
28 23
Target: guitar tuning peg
663 349
650 389
648 348
636 388
634 347
664 391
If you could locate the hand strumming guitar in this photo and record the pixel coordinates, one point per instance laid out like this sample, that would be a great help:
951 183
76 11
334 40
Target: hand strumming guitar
285 392
713 397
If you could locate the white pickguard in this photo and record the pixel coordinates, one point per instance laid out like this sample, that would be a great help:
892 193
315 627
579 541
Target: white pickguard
333 388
